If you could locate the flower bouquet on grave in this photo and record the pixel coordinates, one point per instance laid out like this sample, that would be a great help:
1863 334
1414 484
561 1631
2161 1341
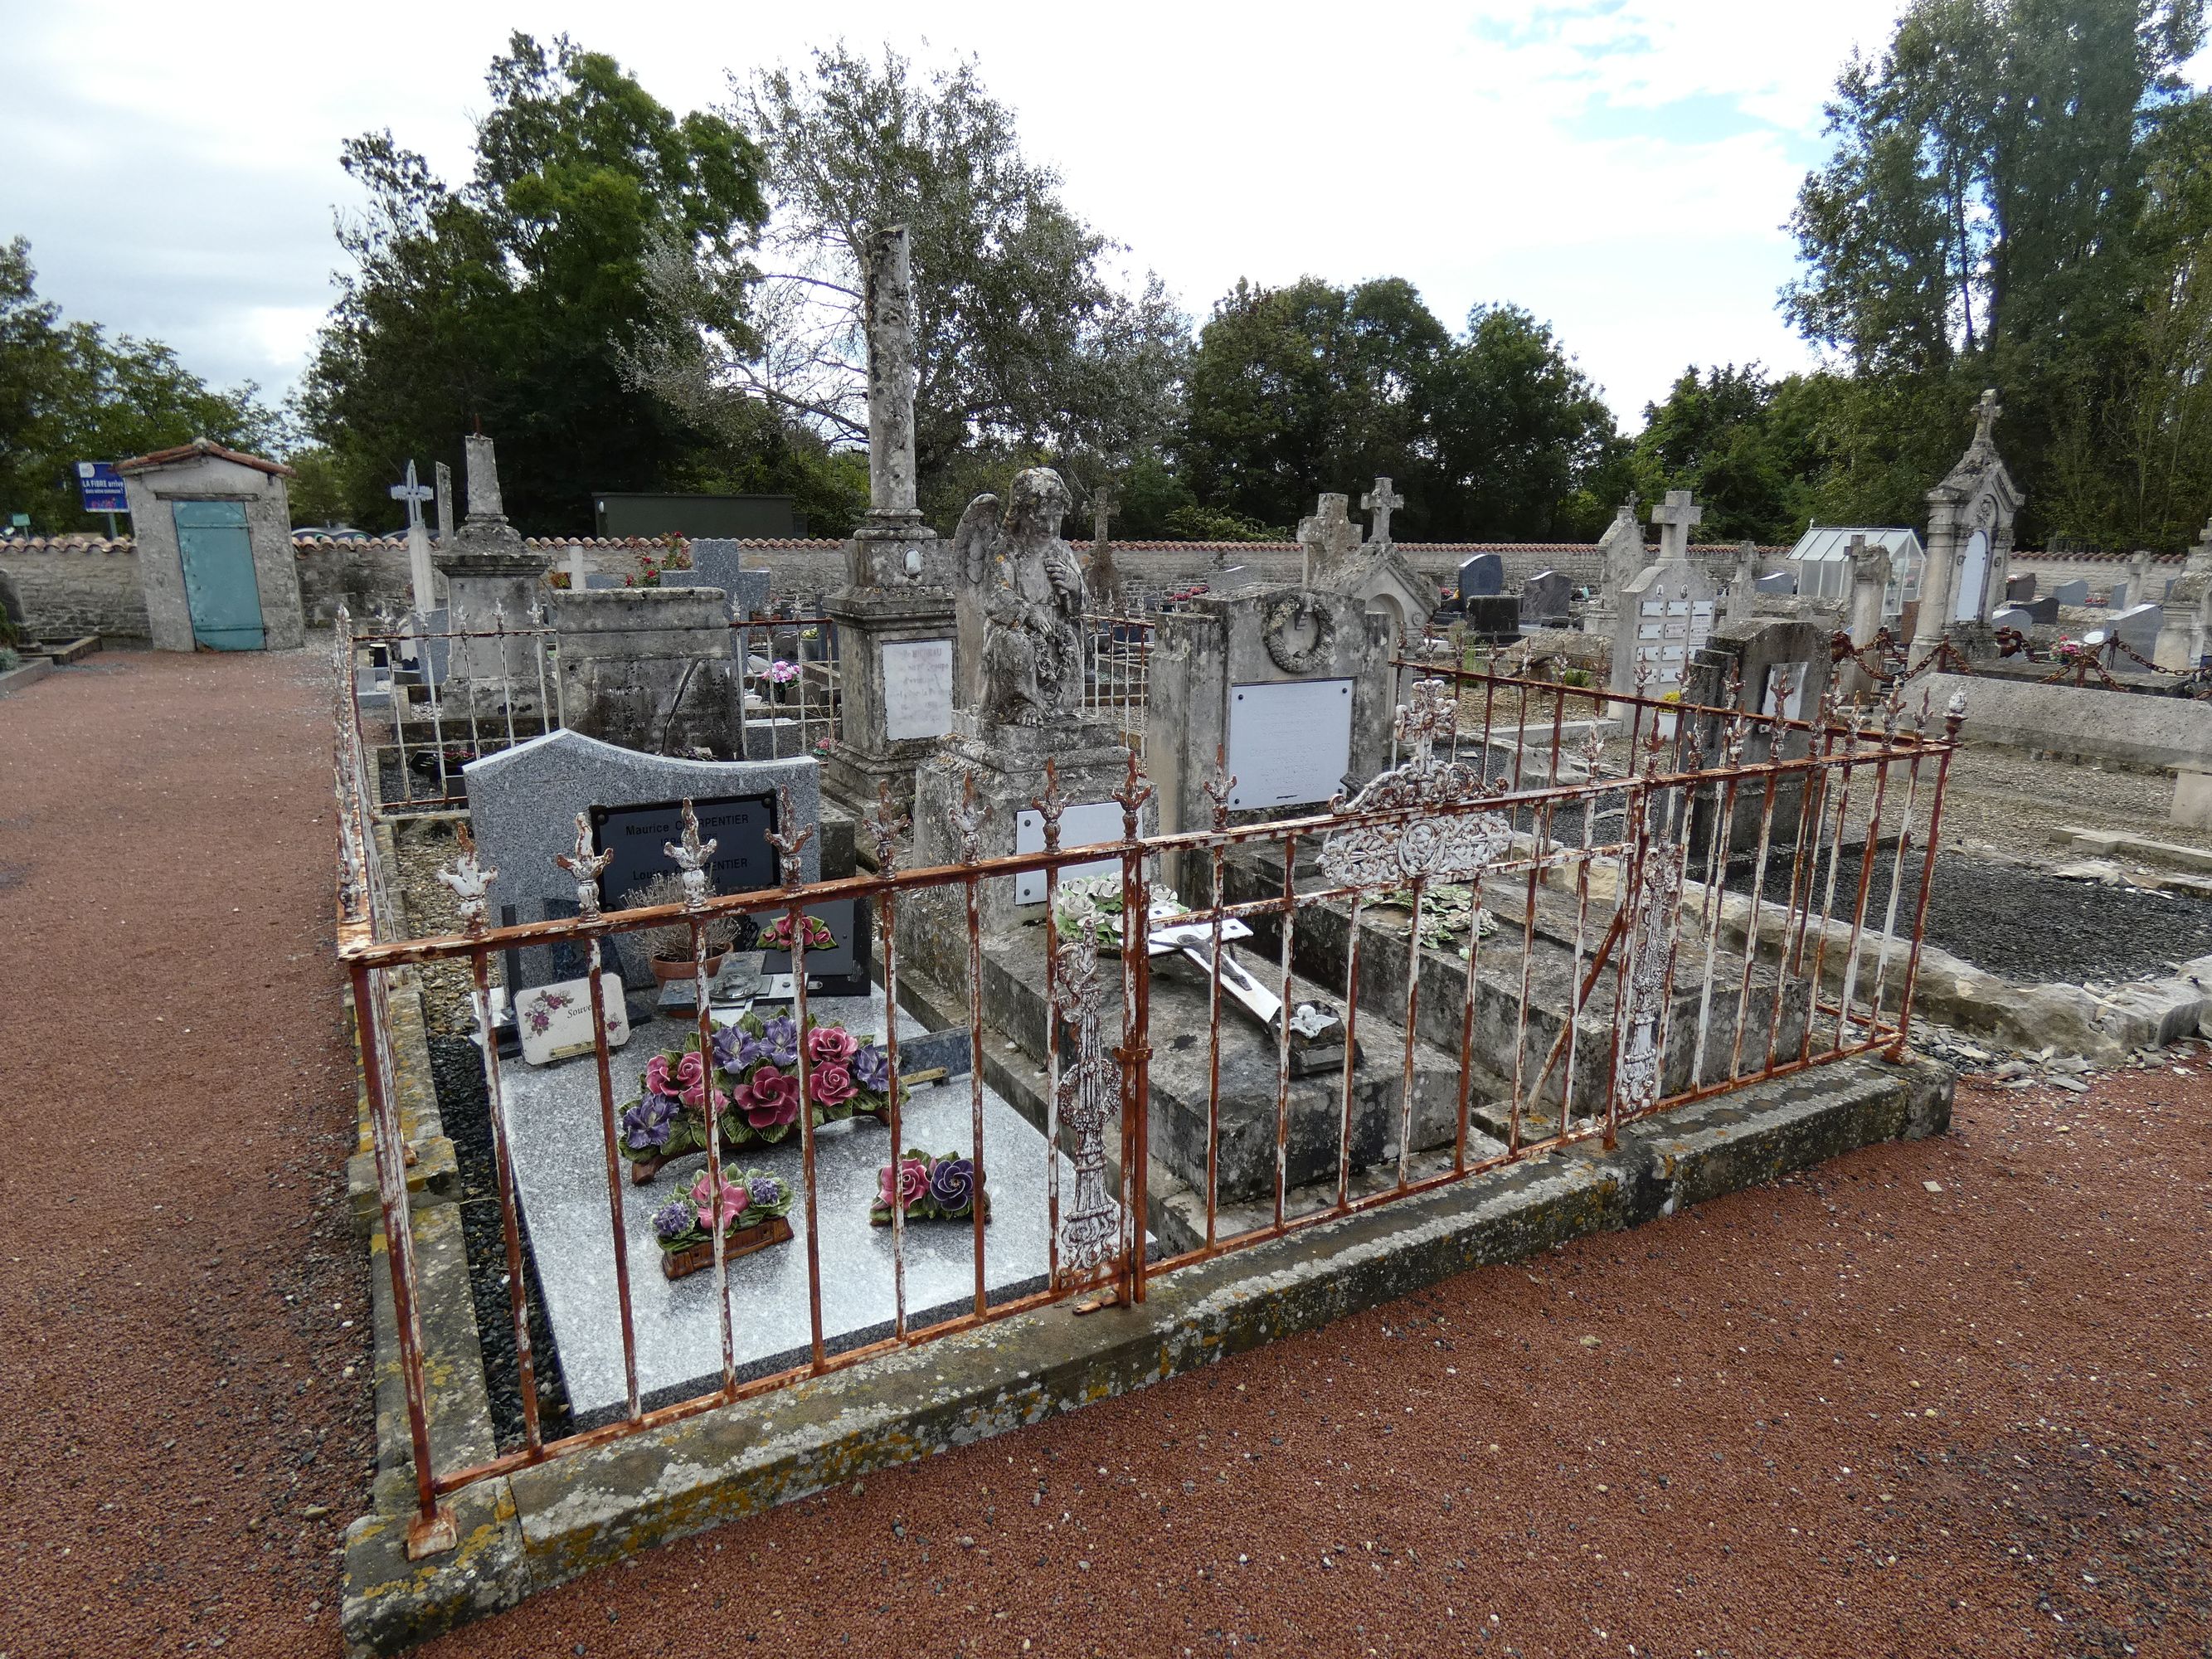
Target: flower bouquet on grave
929 1187
777 935
751 1208
757 1060
668 1118
1091 907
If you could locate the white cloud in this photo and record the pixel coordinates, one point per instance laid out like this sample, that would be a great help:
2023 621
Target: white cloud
1623 170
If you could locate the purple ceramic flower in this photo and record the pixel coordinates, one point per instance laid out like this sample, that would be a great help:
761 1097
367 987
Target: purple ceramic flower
953 1185
872 1069
765 1189
672 1220
648 1120
729 1048
780 1040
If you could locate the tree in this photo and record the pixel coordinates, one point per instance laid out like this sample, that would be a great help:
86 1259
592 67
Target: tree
1025 346
71 393
2009 203
1524 445
1312 387
517 299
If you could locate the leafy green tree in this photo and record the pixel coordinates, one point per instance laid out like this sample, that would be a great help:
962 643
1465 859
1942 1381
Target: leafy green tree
70 392
1525 447
515 300
1025 346
1298 389
2010 202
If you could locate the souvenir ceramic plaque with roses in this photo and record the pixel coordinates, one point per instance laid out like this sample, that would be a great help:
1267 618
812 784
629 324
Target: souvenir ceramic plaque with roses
555 1021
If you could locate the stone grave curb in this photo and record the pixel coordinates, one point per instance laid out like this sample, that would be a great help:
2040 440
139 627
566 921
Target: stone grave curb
24 675
433 1174
544 1525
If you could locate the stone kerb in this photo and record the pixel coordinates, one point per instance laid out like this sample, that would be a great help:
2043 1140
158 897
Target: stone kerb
2117 727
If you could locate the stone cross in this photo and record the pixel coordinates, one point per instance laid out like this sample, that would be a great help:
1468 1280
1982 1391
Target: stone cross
1676 517
1382 502
575 567
1105 502
413 494
483 477
1986 415
1329 536
887 299
445 503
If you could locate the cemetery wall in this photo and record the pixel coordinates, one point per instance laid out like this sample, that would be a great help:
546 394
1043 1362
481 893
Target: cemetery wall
2101 570
77 585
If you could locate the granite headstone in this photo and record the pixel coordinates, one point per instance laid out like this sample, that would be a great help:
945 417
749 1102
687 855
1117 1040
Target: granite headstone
2073 592
2020 589
1481 576
1544 599
1782 582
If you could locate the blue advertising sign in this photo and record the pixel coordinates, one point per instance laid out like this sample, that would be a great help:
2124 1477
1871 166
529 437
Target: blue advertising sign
100 490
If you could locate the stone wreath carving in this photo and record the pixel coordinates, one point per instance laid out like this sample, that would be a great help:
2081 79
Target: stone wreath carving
1428 841
1288 610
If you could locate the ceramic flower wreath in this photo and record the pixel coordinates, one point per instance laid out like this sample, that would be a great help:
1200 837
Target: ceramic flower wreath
777 935
929 1187
745 1200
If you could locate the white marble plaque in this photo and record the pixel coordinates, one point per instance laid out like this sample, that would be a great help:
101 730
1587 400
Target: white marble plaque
555 1021
917 689
1290 742
1079 826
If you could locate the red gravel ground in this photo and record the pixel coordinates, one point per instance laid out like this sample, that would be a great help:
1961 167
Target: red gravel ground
181 1449
1846 1414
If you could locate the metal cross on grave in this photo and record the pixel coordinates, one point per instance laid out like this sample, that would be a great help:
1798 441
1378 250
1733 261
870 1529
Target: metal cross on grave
413 494
1381 501
1676 517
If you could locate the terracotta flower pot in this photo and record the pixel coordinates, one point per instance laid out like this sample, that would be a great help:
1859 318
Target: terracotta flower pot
743 1241
665 972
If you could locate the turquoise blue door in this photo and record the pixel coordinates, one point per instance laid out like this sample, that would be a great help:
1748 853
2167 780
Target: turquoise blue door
220 591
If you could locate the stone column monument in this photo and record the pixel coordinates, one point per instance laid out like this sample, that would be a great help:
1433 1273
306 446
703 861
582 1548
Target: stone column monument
895 621
492 582
1970 519
1869 583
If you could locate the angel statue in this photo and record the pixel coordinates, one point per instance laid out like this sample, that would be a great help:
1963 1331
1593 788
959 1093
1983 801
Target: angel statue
1033 627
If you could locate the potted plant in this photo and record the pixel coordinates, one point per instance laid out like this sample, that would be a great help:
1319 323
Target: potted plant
929 1187
751 1207
668 947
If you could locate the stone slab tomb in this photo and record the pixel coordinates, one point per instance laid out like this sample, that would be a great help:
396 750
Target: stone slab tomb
654 669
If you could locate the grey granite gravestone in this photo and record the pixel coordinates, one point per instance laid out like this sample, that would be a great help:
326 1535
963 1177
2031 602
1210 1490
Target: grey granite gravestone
2012 615
2020 589
597 581
2043 612
2137 628
2073 592
718 562
1483 575
523 804
1495 617
1783 582
1544 599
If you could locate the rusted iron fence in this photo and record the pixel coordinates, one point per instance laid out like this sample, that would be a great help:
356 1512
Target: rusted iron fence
432 693
1557 912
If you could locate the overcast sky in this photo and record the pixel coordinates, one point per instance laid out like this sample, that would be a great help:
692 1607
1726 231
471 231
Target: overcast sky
1623 168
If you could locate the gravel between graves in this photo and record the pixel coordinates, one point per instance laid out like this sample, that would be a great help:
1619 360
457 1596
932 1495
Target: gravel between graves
2019 922
184 1336
463 1107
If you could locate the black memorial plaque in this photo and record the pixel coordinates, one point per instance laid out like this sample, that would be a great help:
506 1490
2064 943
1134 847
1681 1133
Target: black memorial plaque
639 836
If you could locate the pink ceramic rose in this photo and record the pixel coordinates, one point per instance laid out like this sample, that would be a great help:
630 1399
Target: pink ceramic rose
913 1180
770 1098
734 1199
690 1072
831 1083
657 1078
830 1044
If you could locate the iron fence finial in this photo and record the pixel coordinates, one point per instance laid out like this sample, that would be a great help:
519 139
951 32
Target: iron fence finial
788 843
470 881
585 866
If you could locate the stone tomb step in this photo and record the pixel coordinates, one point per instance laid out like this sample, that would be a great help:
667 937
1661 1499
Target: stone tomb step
1321 951
1251 1087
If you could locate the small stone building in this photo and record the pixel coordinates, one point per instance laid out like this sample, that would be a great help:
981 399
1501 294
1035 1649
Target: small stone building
213 532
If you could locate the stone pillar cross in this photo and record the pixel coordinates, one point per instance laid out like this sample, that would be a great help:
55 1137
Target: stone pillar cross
1675 517
413 494
1986 410
1105 502
1381 501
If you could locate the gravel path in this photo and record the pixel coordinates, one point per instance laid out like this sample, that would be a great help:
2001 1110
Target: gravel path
1845 1414
180 1304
